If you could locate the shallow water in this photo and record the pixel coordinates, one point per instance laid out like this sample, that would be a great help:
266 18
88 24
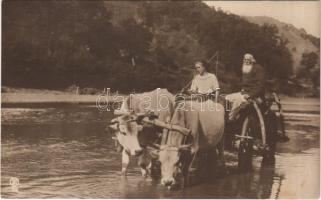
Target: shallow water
63 151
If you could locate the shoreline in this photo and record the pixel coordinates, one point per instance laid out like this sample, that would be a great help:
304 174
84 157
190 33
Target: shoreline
27 98
23 99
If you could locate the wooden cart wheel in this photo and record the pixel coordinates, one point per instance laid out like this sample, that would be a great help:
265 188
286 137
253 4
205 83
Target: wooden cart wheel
262 124
248 135
245 151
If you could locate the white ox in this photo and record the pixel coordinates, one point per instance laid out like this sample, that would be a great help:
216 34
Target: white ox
134 137
205 120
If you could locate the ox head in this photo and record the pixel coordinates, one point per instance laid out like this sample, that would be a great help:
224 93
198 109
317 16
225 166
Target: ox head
127 130
172 159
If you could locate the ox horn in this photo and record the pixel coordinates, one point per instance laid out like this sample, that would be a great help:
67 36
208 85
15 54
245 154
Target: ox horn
114 121
121 112
114 127
114 124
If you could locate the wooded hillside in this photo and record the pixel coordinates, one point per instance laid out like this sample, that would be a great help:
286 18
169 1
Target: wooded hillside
55 44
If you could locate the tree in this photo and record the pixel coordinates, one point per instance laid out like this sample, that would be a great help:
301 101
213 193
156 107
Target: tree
310 69
54 44
309 60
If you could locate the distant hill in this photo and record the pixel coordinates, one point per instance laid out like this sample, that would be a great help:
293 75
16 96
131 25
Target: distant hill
141 45
299 41
180 35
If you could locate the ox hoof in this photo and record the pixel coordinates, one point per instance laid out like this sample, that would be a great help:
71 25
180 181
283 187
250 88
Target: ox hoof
123 173
183 185
144 173
173 187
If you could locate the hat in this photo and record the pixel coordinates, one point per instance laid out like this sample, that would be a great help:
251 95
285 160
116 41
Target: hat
250 57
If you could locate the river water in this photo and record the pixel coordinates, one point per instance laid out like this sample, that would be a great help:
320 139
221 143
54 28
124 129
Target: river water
63 151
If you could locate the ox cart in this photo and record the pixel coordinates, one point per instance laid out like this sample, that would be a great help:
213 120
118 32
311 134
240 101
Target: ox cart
255 132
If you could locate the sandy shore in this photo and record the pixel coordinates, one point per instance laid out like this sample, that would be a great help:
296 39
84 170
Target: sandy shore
56 98
52 96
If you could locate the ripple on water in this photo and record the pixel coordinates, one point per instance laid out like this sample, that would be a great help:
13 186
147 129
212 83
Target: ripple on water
299 174
65 153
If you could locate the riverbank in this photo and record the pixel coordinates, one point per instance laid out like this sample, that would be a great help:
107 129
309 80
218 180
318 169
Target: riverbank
13 98
21 95
15 95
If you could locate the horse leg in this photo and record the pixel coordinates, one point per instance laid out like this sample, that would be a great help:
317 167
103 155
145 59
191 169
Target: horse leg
125 162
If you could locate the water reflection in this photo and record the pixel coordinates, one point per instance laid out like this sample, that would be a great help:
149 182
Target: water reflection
64 152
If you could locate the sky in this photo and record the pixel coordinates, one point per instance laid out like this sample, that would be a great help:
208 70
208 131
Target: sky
302 14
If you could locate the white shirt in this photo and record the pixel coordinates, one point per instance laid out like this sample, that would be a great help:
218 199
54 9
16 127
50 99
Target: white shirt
205 83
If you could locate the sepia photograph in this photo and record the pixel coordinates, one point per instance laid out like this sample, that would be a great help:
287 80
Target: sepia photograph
160 99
